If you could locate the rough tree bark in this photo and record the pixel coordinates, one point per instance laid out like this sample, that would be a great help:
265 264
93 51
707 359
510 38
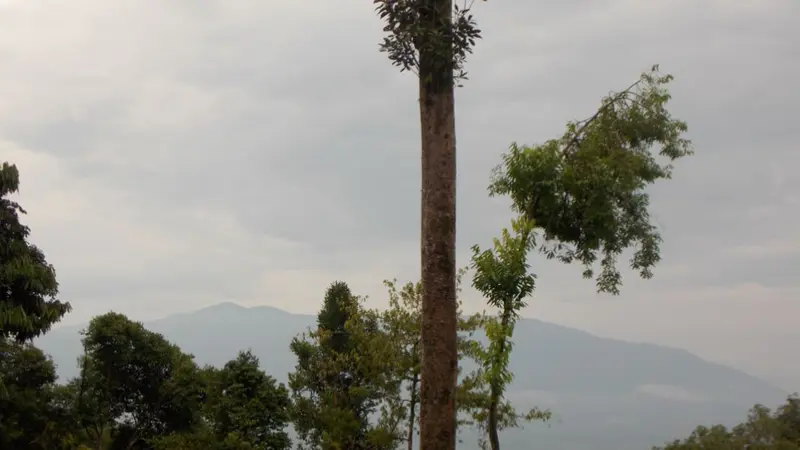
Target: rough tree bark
438 240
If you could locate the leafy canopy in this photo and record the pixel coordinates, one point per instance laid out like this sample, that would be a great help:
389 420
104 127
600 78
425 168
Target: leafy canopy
28 286
247 405
502 274
585 191
336 389
763 430
417 27
135 382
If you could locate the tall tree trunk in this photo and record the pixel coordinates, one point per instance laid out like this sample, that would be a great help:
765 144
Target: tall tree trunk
438 241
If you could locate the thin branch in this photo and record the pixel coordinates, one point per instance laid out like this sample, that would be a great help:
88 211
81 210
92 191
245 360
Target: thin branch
575 141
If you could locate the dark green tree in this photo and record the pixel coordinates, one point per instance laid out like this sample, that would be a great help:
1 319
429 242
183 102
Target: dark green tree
28 287
134 384
35 413
335 312
248 406
788 415
432 38
762 430
337 392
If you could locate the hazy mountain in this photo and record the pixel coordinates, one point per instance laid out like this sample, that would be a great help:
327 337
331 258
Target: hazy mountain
606 394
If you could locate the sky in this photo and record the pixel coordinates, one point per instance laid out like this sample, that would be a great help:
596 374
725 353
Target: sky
179 154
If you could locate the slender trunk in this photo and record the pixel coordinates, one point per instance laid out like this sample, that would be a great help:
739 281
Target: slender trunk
412 411
438 240
494 434
495 390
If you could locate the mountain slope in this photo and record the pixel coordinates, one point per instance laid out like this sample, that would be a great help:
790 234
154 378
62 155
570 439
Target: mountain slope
605 393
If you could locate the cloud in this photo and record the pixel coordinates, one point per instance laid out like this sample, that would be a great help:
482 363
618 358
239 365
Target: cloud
179 154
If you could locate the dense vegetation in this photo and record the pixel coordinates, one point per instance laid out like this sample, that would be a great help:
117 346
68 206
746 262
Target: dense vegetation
763 430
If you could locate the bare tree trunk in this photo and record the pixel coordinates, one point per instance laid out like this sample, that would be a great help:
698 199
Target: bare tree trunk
492 428
412 411
439 321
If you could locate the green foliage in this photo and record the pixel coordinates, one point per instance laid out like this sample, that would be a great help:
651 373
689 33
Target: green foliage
336 392
247 406
763 430
134 383
33 412
584 194
192 440
403 323
417 27
502 276
334 314
28 287
502 273
138 391
585 190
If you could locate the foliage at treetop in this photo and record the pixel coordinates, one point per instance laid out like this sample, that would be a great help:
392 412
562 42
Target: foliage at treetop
422 26
135 383
336 308
585 190
28 286
247 405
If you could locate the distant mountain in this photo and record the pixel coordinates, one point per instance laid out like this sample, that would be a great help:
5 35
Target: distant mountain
605 394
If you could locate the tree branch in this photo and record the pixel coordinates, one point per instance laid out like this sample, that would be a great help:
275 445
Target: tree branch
575 141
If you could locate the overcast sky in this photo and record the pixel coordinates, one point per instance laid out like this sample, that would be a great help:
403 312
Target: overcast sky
176 154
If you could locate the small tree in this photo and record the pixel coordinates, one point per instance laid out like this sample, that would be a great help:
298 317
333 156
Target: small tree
584 194
336 310
502 276
340 395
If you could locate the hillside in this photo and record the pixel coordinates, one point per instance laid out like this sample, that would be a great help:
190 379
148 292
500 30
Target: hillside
606 394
